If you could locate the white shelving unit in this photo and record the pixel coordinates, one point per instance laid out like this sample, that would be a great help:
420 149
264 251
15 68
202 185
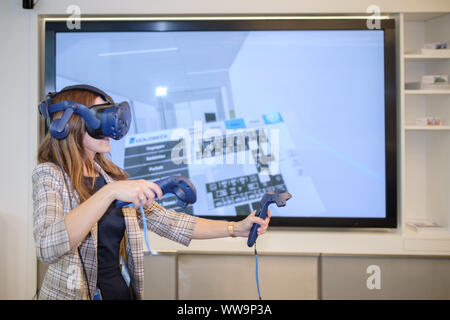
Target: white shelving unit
425 150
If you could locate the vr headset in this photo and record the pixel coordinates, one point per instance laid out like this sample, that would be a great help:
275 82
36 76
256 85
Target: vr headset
103 120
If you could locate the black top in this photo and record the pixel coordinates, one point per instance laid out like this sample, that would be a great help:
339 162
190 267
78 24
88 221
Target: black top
111 229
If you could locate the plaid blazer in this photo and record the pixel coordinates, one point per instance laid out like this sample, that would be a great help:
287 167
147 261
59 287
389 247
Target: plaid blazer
64 278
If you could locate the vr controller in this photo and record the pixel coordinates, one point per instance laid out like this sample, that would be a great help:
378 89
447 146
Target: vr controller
180 186
278 197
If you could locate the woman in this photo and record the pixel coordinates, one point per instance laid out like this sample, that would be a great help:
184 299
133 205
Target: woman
81 234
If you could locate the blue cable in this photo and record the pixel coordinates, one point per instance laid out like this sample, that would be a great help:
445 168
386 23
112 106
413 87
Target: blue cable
256 274
144 226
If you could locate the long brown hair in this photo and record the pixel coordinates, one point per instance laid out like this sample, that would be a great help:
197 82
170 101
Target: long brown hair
71 149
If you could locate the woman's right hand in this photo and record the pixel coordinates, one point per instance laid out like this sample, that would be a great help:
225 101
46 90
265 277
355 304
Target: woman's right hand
136 191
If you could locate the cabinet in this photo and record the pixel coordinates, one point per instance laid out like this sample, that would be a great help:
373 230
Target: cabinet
425 150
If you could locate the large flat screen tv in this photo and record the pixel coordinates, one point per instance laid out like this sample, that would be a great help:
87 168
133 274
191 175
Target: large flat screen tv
245 106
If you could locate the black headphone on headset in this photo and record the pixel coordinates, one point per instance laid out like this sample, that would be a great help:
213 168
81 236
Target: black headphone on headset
109 119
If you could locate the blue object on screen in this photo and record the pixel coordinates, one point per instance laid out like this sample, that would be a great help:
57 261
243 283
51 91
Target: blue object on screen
235 124
272 118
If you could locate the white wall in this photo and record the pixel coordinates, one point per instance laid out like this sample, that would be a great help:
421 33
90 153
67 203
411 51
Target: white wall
20 94
18 85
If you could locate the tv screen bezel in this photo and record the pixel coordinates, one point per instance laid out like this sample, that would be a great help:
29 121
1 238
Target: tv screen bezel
239 24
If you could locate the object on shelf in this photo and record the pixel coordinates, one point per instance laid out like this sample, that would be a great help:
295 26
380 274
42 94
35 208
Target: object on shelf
435 79
438 48
423 226
434 82
428 121
436 45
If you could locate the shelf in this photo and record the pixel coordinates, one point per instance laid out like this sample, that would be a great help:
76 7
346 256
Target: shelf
433 128
422 16
423 91
419 56
411 233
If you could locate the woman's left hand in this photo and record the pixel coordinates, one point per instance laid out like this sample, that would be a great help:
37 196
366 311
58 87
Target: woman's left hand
243 227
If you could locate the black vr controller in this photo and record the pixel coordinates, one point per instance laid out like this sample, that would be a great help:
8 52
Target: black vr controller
278 197
180 186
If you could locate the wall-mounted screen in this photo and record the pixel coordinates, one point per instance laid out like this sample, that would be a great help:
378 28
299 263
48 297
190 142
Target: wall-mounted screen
244 107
